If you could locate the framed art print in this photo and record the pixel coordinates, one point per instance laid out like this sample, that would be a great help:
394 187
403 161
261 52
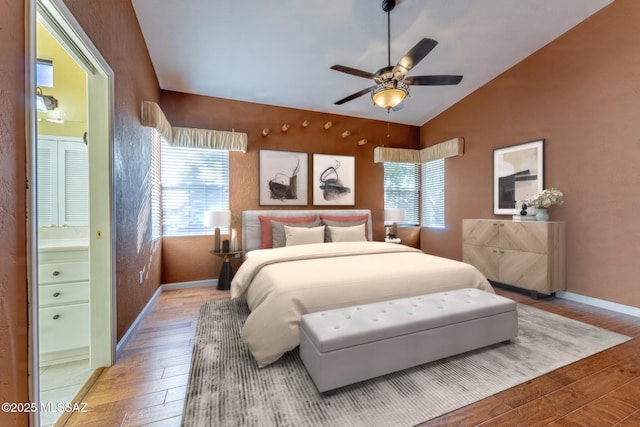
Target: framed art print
334 180
284 178
518 174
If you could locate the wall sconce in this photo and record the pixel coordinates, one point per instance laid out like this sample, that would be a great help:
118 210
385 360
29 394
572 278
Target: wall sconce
305 123
346 134
285 127
362 142
265 132
45 103
328 125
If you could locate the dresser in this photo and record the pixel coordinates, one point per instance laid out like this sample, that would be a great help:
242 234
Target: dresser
525 254
63 292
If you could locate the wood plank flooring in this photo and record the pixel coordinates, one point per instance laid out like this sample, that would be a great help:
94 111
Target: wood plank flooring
147 384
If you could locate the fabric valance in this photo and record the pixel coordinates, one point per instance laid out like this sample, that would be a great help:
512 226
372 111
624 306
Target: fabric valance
450 148
152 116
216 139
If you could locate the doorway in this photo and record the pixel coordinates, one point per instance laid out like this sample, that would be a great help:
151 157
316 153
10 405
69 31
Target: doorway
72 292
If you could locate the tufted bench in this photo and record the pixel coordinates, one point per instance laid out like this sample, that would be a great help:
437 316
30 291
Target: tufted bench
347 345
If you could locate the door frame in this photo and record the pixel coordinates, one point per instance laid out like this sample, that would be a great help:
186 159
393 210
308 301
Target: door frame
100 94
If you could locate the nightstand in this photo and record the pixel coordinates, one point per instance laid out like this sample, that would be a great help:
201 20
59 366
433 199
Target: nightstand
226 272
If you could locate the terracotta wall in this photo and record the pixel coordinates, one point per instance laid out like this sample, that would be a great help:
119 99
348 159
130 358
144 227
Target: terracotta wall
113 28
13 262
187 258
582 94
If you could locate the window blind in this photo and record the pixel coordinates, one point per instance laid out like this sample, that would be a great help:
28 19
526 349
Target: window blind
433 194
156 185
194 180
402 190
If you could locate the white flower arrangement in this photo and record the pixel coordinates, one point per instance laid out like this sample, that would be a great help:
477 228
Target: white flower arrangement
546 198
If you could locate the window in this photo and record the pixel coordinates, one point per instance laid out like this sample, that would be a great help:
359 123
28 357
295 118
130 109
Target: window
433 194
44 73
401 190
194 180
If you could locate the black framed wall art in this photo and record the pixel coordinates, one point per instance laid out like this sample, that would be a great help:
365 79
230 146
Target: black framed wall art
518 174
284 178
334 180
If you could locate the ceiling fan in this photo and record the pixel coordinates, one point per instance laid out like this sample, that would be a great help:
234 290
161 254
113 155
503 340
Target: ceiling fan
391 82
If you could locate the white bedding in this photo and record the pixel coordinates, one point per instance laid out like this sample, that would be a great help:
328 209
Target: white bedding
282 284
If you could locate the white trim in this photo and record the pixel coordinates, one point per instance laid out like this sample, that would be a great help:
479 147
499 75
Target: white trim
127 335
185 285
613 306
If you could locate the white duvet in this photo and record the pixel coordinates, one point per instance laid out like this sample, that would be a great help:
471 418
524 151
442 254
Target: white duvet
282 284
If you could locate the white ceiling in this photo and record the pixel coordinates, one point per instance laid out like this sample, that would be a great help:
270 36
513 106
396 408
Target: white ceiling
279 53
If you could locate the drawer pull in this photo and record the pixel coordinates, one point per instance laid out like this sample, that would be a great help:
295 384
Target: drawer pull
56 294
56 273
56 317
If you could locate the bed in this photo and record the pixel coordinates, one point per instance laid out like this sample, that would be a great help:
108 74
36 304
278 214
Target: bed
280 284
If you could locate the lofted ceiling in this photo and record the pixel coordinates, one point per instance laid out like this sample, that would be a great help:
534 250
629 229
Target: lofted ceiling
279 53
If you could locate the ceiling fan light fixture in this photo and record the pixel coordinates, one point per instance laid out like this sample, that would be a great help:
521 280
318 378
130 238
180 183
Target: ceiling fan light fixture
389 94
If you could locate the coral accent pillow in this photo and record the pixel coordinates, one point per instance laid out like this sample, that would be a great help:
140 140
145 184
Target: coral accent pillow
265 226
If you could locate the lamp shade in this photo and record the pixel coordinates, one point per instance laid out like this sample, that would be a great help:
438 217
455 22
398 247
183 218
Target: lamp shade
217 218
393 215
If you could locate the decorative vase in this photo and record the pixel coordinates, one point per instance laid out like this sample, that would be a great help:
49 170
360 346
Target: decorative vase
542 214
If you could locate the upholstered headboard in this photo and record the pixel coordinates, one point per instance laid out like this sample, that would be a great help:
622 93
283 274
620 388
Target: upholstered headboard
251 233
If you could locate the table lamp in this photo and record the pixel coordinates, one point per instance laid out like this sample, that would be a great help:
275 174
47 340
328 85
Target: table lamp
392 216
217 219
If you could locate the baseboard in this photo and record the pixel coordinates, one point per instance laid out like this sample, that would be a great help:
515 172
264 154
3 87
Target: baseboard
193 284
166 287
125 338
608 305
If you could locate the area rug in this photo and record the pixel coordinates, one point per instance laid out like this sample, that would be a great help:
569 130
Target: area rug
226 388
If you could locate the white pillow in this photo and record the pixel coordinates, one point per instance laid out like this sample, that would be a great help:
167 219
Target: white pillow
347 234
303 236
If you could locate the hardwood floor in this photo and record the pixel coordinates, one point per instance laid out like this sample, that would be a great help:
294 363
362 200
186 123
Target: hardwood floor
147 384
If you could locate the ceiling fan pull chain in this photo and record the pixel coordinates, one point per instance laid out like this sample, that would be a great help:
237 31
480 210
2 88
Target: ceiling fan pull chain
388 123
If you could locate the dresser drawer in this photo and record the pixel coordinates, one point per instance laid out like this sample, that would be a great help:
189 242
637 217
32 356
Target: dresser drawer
63 272
49 256
63 293
64 327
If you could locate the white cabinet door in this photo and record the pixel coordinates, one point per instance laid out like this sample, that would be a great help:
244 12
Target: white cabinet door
47 182
63 181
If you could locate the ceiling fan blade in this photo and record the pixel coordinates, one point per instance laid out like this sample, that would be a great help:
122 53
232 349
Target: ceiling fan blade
353 71
432 80
354 96
415 55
